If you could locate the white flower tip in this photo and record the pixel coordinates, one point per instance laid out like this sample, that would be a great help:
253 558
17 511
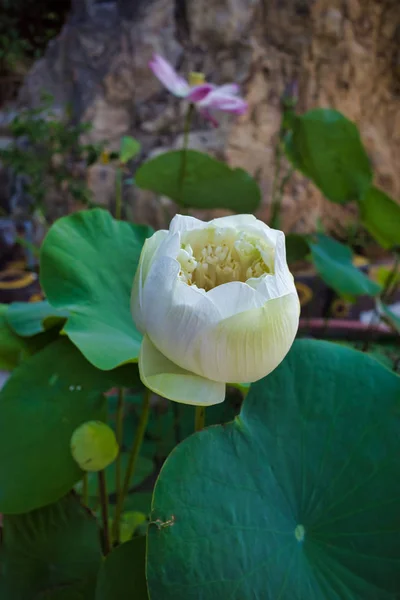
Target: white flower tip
167 75
156 58
156 63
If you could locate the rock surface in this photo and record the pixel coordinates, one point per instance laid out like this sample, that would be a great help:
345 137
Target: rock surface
342 53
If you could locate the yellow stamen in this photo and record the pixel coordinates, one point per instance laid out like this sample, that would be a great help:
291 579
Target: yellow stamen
214 258
196 78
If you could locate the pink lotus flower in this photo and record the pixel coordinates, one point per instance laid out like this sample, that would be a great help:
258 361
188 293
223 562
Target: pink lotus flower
206 96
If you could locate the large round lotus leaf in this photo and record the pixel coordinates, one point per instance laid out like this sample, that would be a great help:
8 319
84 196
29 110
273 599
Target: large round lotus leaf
297 499
194 179
12 347
88 262
51 553
31 318
46 398
122 576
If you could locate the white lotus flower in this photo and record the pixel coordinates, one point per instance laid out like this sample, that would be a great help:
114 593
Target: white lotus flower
216 303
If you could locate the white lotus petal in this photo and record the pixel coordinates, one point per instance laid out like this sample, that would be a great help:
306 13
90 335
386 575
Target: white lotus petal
182 224
248 346
174 312
281 266
146 258
170 381
237 221
235 297
169 246
282 282
262 231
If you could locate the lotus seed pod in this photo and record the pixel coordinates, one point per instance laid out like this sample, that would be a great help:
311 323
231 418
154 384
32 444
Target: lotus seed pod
94 446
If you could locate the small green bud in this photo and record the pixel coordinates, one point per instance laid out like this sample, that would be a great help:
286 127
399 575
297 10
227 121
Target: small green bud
94 446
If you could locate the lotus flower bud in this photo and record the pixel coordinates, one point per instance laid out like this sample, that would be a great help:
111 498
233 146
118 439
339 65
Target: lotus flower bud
94 446
216 304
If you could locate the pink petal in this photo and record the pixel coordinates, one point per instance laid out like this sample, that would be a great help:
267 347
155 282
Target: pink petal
208 116
199 92
229 88
216 100
164 71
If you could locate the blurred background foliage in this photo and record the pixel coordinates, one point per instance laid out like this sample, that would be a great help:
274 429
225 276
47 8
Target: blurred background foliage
26 27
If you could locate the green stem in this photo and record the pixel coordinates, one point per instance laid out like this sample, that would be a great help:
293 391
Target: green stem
199 418
391 279
104 512
118 194
133 458
177 430
85 489
186 131
119 436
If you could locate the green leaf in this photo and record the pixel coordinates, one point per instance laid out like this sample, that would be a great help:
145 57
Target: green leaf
326 147
30 318
296 247
207 183
387 353
131 521
380 214
12 347
143 469
114 583
51 553
46 398
88 262
129 148
297 499
333 262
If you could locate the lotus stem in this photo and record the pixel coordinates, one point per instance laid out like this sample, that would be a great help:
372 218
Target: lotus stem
119 436
104 512
200 418
133 458
85 489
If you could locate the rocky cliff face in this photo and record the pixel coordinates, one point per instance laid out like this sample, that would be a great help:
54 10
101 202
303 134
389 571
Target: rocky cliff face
342 53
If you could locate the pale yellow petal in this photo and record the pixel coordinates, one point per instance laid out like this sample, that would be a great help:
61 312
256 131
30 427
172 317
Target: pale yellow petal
249 345
165 378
